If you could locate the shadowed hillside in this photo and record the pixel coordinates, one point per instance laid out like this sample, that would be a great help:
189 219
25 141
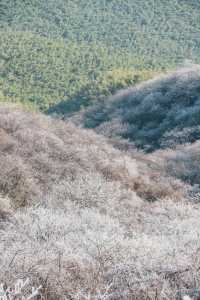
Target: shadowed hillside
183 162
159 113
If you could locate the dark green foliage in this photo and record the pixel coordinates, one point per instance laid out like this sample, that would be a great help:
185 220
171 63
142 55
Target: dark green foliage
44 72
157 27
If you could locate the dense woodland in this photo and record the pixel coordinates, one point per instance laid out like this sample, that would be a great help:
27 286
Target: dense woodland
75 52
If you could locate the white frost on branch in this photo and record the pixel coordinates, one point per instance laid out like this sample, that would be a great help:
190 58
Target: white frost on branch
11 293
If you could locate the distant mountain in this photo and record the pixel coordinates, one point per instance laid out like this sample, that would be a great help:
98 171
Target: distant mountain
72 51
146 27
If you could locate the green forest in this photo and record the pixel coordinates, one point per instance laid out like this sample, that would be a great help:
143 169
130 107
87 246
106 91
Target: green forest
63 55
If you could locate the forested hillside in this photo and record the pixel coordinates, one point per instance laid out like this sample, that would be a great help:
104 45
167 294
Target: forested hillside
142 26
44 71
85 50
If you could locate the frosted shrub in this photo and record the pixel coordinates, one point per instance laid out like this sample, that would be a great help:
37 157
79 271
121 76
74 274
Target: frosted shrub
19 291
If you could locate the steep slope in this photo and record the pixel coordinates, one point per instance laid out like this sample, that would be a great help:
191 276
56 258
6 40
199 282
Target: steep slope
73 218
159 113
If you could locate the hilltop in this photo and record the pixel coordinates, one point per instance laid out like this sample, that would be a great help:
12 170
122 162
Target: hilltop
38 153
